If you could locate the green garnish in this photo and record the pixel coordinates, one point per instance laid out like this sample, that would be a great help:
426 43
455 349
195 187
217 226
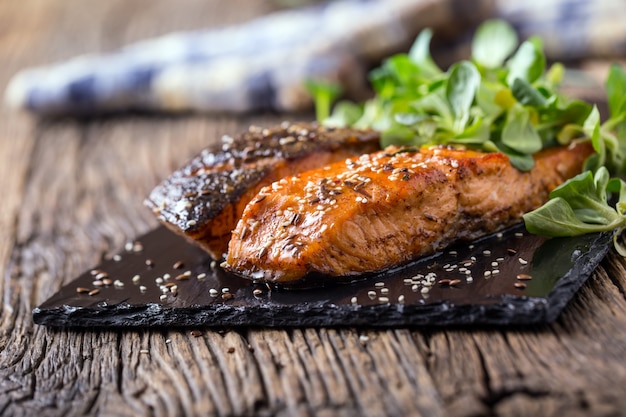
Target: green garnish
502 99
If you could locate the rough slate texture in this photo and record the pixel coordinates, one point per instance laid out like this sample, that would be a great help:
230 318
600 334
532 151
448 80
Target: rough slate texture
161 280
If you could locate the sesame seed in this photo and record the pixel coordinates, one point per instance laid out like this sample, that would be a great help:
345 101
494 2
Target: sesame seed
225 290
136 278
178 265
257 292
522 261
196 333
144 351
102 275
143 288
494 264
149 262
107 281
379 284
227 296
384 290
495 272
353 300
163 297
520 285
425 290
117 283
97 283
455 282
201 276
159 280
524 277
383 300
363 339
82 290
487 273
94 291
519 234
371 294
486 252
401 299
117 258
213 292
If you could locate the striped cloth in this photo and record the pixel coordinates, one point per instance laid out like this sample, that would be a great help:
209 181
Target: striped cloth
262 65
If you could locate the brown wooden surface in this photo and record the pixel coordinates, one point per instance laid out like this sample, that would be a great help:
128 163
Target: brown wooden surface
72 191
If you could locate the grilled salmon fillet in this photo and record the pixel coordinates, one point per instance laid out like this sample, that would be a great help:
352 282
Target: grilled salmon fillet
204 200
380 210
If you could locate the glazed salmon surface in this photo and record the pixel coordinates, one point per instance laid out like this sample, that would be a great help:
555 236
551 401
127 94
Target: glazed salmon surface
204 199
383 209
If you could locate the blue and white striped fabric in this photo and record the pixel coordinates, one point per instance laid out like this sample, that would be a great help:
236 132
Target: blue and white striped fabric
263 64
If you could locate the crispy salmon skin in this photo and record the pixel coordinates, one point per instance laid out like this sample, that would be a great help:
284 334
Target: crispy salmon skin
204 200
383 209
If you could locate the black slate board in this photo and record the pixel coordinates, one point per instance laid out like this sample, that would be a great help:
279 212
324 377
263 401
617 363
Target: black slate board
162 280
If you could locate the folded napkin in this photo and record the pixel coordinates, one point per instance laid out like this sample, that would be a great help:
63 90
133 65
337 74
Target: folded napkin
262 65
257 66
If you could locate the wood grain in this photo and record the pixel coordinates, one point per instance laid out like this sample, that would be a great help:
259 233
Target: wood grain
72 193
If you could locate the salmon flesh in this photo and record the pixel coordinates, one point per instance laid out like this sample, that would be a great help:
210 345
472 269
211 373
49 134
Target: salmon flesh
379 210
204 200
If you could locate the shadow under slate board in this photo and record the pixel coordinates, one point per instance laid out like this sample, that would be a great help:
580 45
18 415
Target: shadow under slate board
511 278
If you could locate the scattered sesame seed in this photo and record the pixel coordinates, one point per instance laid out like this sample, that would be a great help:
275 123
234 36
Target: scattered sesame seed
257 291
144 351
227 296
524 277
201 276
97 283
213 292
371 294
163 297
136 278
379 284
181 277
353 300
494 264
225 290
519 234
455 282
415 288
196 333
520 285
159 280
384 290
444 281
401 299
94 291
143 288
425 290
178 265
522 261
117 283
383 300
168 341
107 281
82 290
101 275
487 273
495 272
117 258
511 251
149 263
486 252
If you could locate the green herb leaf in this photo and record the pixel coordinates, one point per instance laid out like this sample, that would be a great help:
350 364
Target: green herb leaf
520 135
526 94
493 42
463 83
579 206
323 93
528 63
420 54
616 89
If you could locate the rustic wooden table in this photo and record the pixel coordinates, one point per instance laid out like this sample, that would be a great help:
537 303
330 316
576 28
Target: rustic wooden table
72 191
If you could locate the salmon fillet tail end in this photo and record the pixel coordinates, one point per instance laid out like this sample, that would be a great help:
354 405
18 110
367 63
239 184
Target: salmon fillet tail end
375 211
